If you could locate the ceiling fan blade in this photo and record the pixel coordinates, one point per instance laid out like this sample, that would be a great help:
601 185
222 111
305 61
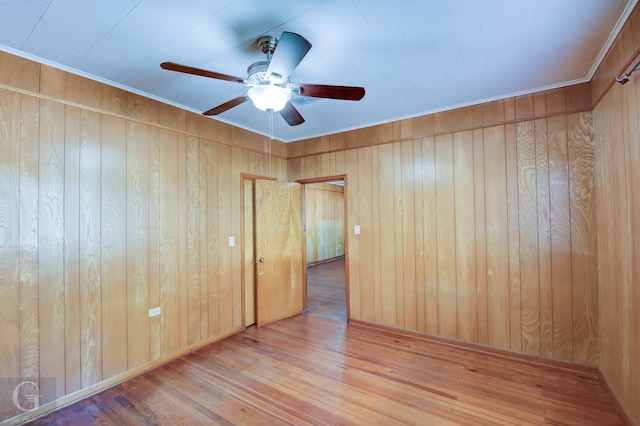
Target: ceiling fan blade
289 52
291 115
347 93
227 105
197 71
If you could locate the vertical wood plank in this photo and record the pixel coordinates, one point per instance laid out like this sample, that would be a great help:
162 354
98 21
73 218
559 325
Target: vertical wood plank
214 236
515 294
606 167
465 241
206 207
168 242
528 227
51 245
481 238
562 295
409 236
11 71
155 170
544 238
496 234
137 244
9 240
235 319
366 237
399 211
429 218
72 350
625 135
353 218
419 211
28 228
584 264
446 231
90 306
113 249
193 240
225 279
386 234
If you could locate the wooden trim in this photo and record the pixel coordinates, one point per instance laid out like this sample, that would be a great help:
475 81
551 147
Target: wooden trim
624 414
435 134
244 177
613 80
346 253
242 251
321 179
131 119
247 176
346 239
303 222
113 381
475 347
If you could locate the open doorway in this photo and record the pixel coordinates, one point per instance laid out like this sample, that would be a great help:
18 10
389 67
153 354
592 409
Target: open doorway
324 216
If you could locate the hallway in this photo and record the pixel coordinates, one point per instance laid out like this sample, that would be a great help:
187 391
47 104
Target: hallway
327 290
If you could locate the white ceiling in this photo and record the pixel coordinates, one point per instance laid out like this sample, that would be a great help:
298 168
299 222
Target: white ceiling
412 56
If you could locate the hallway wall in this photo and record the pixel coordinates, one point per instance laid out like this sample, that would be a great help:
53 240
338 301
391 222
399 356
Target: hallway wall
324 215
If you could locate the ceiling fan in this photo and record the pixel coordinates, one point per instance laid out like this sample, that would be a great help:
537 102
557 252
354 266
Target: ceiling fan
268 81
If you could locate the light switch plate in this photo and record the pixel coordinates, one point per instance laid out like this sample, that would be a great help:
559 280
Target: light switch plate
154 312
232 241
356 229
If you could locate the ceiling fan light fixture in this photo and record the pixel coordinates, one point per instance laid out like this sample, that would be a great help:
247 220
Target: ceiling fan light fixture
267 97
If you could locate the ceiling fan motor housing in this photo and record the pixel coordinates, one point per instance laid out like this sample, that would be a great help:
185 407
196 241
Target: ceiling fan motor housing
257 72
267 45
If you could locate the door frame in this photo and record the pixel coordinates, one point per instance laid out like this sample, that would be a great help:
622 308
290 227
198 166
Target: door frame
324 179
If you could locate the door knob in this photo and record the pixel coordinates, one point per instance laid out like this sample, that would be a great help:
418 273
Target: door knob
261 260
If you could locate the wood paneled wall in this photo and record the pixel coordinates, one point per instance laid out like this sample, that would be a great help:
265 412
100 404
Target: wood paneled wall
576 98
111 204
485 234
616 121
324 215
477 223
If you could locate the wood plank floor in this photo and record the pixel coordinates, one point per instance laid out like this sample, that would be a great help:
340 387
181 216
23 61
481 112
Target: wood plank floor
326 290
316 369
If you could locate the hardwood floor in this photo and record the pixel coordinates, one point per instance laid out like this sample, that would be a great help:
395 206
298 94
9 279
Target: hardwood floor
316 369
326 290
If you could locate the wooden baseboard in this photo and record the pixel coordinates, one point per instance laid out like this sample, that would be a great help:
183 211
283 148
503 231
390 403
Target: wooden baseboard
605 384
476 347
71 398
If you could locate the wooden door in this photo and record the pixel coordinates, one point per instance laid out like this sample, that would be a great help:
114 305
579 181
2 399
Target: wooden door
278 243
249 260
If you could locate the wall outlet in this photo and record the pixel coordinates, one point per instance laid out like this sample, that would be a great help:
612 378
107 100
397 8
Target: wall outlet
232 241
154 312
356 229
